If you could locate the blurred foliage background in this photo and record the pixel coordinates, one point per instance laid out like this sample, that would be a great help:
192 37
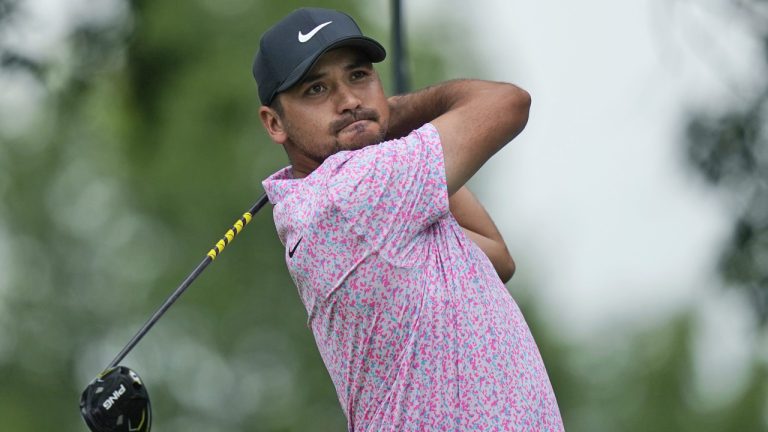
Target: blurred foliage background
148 146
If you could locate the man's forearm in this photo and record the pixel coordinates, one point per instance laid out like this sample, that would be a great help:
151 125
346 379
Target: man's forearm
474 118
479 226
410 111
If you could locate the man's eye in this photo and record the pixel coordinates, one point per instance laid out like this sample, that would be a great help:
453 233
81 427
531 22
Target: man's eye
359 74
315 89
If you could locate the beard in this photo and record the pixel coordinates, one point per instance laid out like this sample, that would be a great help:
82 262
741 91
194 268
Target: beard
361 136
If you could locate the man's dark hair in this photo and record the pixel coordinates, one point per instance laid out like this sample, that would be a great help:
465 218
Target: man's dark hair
276 105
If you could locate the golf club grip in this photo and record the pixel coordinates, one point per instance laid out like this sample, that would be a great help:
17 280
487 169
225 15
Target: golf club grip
212 254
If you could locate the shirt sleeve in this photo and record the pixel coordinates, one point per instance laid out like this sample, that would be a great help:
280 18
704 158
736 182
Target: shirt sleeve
390 193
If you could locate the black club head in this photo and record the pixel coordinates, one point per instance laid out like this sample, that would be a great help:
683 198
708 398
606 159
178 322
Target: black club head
116 401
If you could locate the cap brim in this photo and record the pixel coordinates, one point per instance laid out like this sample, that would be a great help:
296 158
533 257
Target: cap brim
370 47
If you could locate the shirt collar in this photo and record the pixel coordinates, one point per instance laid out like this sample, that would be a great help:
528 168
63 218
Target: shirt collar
280 184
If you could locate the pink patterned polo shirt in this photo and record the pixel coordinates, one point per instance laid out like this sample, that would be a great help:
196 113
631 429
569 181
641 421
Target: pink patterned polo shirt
416 329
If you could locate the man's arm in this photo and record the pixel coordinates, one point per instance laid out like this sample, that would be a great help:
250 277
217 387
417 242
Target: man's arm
475 119
477 224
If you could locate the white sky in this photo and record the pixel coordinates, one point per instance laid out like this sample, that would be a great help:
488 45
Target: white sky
596 190
595 199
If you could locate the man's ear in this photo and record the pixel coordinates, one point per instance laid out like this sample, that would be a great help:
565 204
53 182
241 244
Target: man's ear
273 124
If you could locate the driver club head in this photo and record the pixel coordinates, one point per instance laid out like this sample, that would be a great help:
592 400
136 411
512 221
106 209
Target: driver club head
116 401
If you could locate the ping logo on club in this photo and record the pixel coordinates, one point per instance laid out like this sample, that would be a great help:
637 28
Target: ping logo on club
112 399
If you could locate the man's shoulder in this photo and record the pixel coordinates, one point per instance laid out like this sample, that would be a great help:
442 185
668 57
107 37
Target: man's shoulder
360 161
348 179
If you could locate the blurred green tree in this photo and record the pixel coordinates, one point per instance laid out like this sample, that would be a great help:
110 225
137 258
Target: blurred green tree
146 148
729 148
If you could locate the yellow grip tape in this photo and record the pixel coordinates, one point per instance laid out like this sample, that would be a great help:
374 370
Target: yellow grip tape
230 235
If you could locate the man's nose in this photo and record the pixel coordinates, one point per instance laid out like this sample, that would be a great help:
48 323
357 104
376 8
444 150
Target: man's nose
347 99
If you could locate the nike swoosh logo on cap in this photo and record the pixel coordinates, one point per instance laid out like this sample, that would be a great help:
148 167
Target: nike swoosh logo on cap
306 37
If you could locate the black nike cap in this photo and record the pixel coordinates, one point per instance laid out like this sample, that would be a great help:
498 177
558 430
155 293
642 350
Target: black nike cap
289 49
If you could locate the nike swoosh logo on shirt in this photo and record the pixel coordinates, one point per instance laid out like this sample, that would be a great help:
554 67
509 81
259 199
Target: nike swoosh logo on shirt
306 37
291 251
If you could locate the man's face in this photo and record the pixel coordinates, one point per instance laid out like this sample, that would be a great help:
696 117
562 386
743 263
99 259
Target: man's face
339 105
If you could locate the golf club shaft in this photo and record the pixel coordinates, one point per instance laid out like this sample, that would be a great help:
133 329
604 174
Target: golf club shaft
399 55
212 254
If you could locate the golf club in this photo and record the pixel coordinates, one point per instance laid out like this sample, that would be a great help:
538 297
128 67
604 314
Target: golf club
117 399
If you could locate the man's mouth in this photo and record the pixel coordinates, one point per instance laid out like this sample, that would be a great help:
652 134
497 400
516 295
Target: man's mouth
358 126
357 119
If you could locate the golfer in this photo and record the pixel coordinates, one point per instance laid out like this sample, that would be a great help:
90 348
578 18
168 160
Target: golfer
399 267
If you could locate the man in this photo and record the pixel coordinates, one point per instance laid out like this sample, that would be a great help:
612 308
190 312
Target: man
403 285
